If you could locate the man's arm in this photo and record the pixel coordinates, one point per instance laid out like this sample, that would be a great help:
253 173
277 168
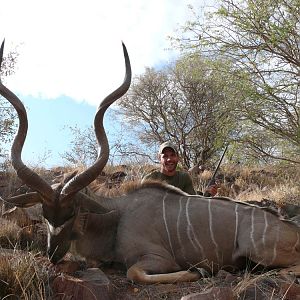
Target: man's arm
189 187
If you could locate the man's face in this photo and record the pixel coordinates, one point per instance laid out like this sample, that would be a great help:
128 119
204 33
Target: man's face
168 160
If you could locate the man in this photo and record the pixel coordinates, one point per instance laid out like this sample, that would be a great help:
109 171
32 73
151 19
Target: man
168 156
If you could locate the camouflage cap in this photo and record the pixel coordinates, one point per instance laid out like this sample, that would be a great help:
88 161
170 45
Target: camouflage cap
167 145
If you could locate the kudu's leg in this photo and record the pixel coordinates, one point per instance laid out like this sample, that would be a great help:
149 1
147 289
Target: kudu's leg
150 270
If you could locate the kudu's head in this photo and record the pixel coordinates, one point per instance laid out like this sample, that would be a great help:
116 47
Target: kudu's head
60 202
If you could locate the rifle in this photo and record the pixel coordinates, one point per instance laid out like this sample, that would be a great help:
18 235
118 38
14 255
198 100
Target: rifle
212 180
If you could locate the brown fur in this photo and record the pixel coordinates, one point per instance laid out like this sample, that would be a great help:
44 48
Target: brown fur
130 186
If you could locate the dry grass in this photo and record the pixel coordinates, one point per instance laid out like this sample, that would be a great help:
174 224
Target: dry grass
22 235
244 285
22 277
264 285
277 183
9 234
280 193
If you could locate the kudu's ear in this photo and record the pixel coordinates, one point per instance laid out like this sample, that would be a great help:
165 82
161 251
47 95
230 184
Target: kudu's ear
25 200
90 205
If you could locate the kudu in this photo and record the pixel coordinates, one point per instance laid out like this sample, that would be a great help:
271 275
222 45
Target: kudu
158 232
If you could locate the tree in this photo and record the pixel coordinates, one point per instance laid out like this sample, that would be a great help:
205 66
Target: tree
84 147
187 102
261 38
7 113
84 150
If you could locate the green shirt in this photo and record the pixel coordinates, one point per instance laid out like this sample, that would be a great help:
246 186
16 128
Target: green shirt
181 180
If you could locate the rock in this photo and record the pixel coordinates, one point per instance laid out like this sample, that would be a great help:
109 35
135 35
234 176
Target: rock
272 288
290 291
216 293
91 284
227 277
290 210
254 292
69 267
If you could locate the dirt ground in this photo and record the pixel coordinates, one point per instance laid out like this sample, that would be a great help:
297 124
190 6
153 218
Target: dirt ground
245 286
126 290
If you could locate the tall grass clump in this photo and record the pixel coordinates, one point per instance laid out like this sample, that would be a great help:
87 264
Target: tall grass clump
30 238
21 277
9 234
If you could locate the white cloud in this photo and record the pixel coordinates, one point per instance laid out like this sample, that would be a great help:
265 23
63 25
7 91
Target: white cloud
73 48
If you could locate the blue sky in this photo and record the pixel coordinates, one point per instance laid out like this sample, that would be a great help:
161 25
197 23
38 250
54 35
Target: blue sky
70 57
47 128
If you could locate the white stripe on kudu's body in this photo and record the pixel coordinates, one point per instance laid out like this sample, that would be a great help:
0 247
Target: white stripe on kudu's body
252 231
210 216
190 230
265 229
236 225
166 224
178 225
276 240
190 227
156 231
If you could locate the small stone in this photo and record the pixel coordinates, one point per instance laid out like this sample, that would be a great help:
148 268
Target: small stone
91 284
216 293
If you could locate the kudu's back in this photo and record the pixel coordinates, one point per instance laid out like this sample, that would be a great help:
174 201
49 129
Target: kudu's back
210 233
